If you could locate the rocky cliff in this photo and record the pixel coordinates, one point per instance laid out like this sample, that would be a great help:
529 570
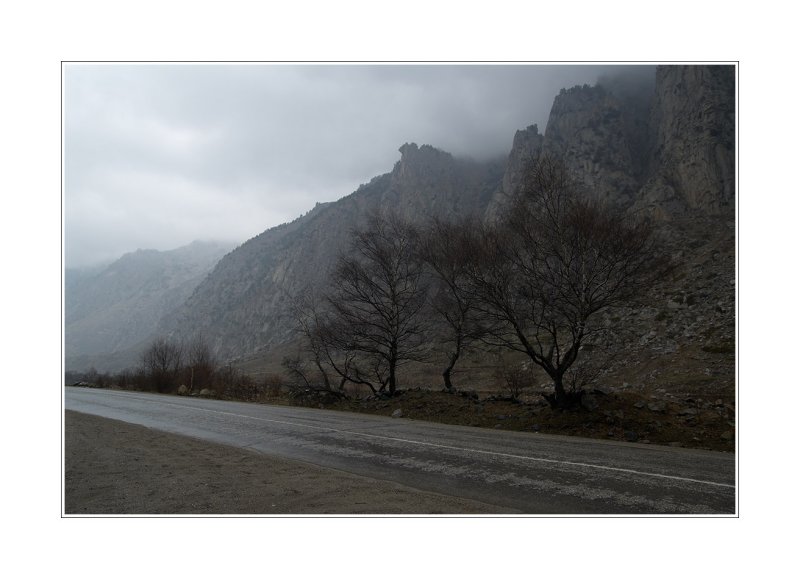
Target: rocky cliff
587 129
656 140
659 140
692 156
241 308
527 145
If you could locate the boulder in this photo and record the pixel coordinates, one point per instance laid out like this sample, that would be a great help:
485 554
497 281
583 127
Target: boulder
589 402
397 413
631 436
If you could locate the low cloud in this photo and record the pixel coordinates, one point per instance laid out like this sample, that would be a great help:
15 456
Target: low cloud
157 156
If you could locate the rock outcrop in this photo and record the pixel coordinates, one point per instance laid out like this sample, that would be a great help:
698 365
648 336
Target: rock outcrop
242 307
692 158
587 130
660 140
526 147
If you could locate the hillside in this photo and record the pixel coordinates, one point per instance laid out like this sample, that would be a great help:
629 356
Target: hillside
241 308
110 309
660 145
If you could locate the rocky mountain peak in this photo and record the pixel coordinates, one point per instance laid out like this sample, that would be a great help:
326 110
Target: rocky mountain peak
587 130
659 140
241 308
422 163
527 140
527 145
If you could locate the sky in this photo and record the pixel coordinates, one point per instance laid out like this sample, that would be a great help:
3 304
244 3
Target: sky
159 155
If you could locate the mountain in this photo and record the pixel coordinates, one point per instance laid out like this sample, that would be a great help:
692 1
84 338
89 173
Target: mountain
663 147
657 141
586 129
663 144
112 308
241 307
692 156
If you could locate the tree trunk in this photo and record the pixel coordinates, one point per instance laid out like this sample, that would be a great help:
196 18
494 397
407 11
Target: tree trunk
393 368
448 384
561 398
392 376
561 395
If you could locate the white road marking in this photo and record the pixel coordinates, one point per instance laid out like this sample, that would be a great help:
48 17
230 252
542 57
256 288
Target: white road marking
445 446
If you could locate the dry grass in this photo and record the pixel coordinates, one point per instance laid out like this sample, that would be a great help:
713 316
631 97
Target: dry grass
688 422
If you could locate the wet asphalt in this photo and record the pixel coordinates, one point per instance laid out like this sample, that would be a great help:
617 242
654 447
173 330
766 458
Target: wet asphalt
529 472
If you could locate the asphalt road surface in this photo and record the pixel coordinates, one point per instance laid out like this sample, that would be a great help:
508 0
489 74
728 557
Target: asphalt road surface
534 473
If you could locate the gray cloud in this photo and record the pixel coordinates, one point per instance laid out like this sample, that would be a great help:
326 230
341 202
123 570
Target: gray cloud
159 155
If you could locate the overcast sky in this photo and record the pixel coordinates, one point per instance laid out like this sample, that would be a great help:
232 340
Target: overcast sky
156 156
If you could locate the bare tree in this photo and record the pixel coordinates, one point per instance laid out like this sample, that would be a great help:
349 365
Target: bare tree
377 301
447 250
319 363
201 364
161 362
554 261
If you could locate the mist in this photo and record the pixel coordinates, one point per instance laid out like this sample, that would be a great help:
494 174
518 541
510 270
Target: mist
156 156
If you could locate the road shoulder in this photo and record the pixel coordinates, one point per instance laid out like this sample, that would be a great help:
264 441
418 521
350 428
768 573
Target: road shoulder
114 467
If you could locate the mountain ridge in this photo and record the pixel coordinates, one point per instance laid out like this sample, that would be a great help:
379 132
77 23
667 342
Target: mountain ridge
112 308
640 144
241 307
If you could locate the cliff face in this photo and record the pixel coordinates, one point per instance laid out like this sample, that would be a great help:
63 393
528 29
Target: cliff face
664 145
241 307
692 160
660 141
527 145
587 129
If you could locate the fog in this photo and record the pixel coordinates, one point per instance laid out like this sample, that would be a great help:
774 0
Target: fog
156 156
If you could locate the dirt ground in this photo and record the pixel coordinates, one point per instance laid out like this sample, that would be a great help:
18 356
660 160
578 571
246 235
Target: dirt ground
113 467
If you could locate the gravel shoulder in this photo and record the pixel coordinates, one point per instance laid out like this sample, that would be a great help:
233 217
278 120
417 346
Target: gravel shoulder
113 467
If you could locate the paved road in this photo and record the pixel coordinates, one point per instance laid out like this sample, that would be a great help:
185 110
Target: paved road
534 473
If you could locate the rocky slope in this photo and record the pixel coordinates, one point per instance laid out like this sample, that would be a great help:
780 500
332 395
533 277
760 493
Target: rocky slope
658 141
665 150
111 309
241 308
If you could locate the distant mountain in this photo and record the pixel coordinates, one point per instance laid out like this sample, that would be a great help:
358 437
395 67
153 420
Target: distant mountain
112 308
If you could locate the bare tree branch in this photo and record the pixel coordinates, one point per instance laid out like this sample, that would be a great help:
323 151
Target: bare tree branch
554 260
